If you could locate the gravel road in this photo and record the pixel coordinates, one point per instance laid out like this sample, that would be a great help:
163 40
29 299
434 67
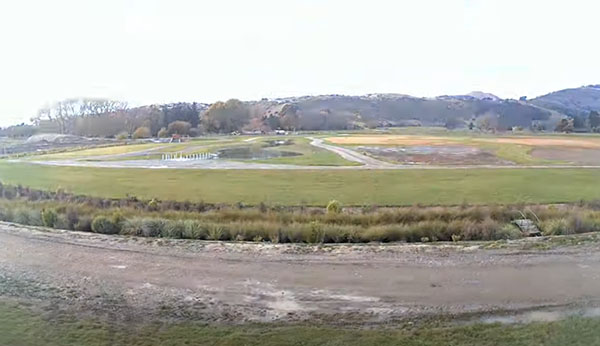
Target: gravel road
350 154
143 278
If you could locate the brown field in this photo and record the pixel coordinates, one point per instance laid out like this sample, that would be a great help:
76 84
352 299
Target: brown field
446 155
391 140
431 140
546 142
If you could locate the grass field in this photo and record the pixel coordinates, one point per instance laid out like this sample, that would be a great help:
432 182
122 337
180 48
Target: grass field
509 149
317 187
21 327
311 156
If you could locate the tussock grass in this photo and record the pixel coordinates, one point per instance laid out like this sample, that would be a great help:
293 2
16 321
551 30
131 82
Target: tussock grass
332 224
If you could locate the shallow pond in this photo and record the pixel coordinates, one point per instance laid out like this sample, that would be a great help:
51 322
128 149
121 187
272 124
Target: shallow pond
279 142
253 153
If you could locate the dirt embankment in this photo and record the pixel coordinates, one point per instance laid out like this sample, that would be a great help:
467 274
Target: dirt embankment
137 278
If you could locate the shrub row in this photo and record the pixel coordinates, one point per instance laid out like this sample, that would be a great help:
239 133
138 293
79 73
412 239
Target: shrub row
334 213
308 232
333 224
312 232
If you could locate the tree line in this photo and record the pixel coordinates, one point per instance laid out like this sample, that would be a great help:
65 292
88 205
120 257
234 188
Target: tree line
110 118
94 117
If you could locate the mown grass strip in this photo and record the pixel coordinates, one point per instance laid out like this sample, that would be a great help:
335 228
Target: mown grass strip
317 187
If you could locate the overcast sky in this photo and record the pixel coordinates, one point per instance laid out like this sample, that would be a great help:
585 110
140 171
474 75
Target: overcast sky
153 51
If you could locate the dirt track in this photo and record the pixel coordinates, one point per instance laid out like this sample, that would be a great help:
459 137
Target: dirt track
141 278
350 154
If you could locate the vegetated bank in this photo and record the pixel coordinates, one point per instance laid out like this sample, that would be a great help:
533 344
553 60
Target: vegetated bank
317 187
280 224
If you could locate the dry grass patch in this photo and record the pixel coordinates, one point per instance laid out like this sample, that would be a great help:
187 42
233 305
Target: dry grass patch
392 140
408 140
546 142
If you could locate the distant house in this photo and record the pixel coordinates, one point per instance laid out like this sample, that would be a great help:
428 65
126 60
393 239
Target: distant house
176 138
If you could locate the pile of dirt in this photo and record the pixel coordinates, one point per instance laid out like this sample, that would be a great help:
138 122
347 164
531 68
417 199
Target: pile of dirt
52 141
54 138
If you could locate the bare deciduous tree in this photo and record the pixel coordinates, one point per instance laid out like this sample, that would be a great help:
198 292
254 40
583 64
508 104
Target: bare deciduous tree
65 112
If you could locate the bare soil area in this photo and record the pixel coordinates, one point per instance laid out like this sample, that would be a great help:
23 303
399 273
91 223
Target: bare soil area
145 279
435 155
42 143
577 156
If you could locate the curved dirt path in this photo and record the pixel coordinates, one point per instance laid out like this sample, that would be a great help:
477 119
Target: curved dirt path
240 282
350 155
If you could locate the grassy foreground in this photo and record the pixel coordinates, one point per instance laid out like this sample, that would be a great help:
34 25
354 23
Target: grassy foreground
20 327
317 187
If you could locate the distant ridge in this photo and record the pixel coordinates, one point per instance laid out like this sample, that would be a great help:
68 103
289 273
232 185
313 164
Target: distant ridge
573 102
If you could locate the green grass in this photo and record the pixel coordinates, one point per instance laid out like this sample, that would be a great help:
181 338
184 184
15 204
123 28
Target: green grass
311 156
317 187
198 146
21 327
519 154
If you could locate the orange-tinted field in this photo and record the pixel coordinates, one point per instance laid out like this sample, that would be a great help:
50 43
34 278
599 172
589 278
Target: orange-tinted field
547 142
407 140
392 140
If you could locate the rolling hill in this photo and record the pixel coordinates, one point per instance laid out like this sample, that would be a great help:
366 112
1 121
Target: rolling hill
572 102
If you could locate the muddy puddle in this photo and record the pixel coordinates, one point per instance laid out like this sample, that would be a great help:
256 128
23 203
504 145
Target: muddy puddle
549 315
279 142
434 154
253 153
